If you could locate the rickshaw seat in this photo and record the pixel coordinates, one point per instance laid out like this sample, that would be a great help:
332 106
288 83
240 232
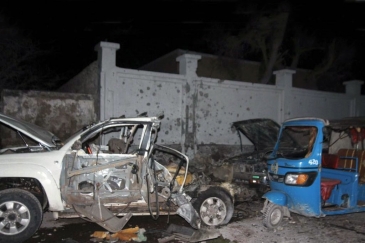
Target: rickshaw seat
327 186
350 163
330 161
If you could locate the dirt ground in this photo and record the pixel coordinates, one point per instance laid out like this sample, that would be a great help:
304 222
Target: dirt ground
342 228
246 227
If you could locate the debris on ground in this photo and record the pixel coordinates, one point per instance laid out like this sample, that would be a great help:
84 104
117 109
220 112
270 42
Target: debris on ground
135 234
186 234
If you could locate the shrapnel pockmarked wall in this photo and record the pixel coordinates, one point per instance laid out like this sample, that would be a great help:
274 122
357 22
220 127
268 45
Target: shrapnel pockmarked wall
198 111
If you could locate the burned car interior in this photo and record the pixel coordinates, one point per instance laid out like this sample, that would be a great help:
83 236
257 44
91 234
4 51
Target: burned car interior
112 167
112 140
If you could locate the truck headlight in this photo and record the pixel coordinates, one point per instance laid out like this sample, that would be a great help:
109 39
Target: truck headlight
255 179
300 179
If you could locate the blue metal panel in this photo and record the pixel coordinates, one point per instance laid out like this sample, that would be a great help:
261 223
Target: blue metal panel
305 200
346 193
277 197
346 197
361 192
300 199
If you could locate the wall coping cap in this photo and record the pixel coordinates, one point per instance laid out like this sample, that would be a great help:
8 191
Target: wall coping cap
103 44
188 56
353 82
288 71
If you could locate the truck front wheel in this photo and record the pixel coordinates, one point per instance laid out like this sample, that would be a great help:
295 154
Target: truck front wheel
20 215
214 206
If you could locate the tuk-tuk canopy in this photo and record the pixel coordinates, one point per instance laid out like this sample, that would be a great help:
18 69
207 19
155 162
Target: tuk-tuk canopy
347 123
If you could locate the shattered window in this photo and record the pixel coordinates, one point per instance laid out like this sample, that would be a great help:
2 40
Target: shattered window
121 139
303 135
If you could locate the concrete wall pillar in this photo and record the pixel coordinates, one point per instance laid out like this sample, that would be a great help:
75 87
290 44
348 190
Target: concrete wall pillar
188 65
284 81
284 78
106 74
106 54
353 87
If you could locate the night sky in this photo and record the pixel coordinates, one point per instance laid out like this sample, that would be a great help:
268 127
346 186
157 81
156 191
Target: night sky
147 30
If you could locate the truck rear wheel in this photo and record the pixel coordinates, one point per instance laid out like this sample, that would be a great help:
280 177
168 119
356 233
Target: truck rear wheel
214 206
20 215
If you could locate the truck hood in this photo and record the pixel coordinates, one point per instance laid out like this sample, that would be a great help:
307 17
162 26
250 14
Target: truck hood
263 133
35 132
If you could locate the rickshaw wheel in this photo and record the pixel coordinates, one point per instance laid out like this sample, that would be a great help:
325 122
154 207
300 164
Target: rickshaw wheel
273 214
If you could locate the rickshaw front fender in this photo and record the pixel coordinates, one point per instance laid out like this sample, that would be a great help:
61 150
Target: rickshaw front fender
276 197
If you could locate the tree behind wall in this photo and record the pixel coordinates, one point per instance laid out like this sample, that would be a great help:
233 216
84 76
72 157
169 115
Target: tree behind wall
271 37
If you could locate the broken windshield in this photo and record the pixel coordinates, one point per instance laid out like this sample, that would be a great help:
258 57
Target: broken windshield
302 148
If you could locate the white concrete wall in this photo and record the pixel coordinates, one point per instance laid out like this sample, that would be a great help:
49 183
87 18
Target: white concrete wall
199 111
221 103
360 106
134 92
318 104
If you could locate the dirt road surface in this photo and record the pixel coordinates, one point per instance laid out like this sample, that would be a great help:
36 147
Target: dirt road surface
245 227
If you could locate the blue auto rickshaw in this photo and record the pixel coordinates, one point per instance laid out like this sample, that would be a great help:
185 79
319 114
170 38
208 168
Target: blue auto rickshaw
316 168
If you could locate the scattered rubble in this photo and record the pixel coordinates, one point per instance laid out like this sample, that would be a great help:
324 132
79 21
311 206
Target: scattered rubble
340 228
246 227
135 234
187 234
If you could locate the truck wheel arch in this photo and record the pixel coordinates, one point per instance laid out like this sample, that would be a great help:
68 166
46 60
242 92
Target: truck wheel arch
49 179
39 193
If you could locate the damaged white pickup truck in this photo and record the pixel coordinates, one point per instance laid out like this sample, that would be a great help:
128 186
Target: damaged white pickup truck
103 171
